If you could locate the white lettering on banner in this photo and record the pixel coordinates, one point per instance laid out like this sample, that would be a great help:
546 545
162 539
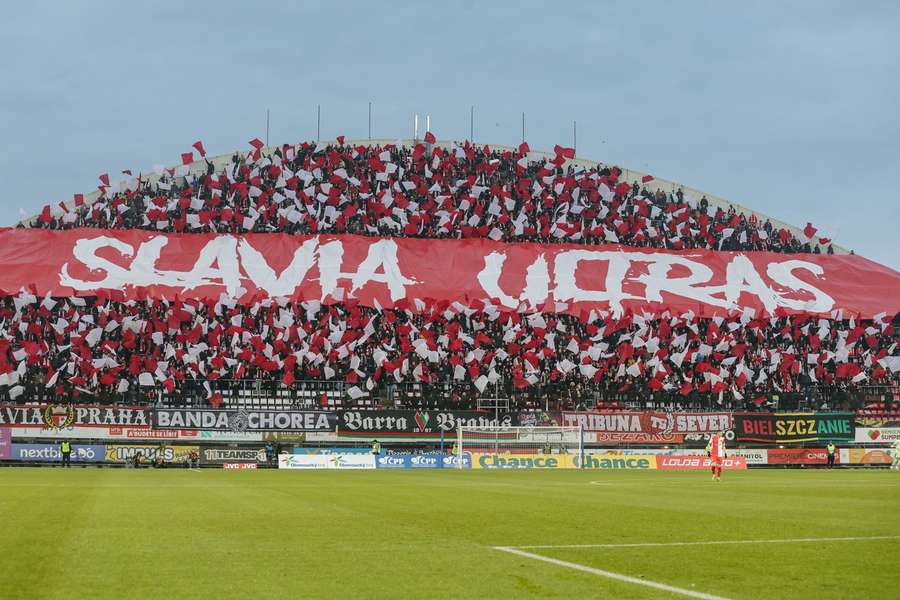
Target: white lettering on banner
741 277
705 423
220 262
537 281
227 261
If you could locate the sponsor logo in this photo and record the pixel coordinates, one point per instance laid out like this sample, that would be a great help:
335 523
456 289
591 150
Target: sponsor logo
868 435
233 455
392 461
607 461
51 453
698 462
455 462
425 461
239 465
522 461
797 456
123 453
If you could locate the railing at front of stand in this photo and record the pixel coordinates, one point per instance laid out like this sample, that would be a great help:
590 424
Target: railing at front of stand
554 396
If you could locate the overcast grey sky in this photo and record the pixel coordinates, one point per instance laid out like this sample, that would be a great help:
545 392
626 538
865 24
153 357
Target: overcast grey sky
790 108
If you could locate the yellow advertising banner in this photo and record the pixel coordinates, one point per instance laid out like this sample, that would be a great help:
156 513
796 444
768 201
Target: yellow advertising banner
863 456
524 461
119 453
619 461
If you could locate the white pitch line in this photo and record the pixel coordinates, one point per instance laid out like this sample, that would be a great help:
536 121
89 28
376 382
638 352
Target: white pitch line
715 542
610 575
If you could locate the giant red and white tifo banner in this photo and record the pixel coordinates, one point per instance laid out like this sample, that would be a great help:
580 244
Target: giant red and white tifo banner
397 272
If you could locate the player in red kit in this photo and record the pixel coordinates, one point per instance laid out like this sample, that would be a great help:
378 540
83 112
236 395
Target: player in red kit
716 451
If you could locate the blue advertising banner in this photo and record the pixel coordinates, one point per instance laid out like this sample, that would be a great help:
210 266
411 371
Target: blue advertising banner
51 453
392 461
453 462
430 460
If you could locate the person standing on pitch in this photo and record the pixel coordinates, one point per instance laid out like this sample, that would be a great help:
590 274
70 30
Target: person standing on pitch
716 451
65 449
830 449
376 447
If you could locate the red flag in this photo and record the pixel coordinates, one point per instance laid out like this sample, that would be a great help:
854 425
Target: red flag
646 178
63 206
215 400
187 158
809 230
429 138
824 240
198 146
523 148
340 140
564 152
79 199
256 143
105 179
45 215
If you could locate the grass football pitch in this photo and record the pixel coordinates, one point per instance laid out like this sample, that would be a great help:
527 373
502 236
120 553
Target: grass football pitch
105 533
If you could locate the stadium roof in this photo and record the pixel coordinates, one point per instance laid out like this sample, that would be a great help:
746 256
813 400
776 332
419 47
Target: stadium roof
629 175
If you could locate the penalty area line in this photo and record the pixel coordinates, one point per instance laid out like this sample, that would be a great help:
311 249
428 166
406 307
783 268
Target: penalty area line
713 542
609 574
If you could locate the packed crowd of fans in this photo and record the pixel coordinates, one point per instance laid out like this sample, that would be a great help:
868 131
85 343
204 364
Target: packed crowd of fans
107 348
425 191
111 349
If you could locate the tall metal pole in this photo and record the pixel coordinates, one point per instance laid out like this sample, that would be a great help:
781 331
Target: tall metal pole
318 122
575 136
267 127
370 121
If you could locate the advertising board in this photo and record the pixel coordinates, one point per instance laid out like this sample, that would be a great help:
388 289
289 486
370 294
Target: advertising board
430 460
326 461
797 456
617 461
217 456
51 453
684 463
132 434
120 453
522 461
864 456
877 435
